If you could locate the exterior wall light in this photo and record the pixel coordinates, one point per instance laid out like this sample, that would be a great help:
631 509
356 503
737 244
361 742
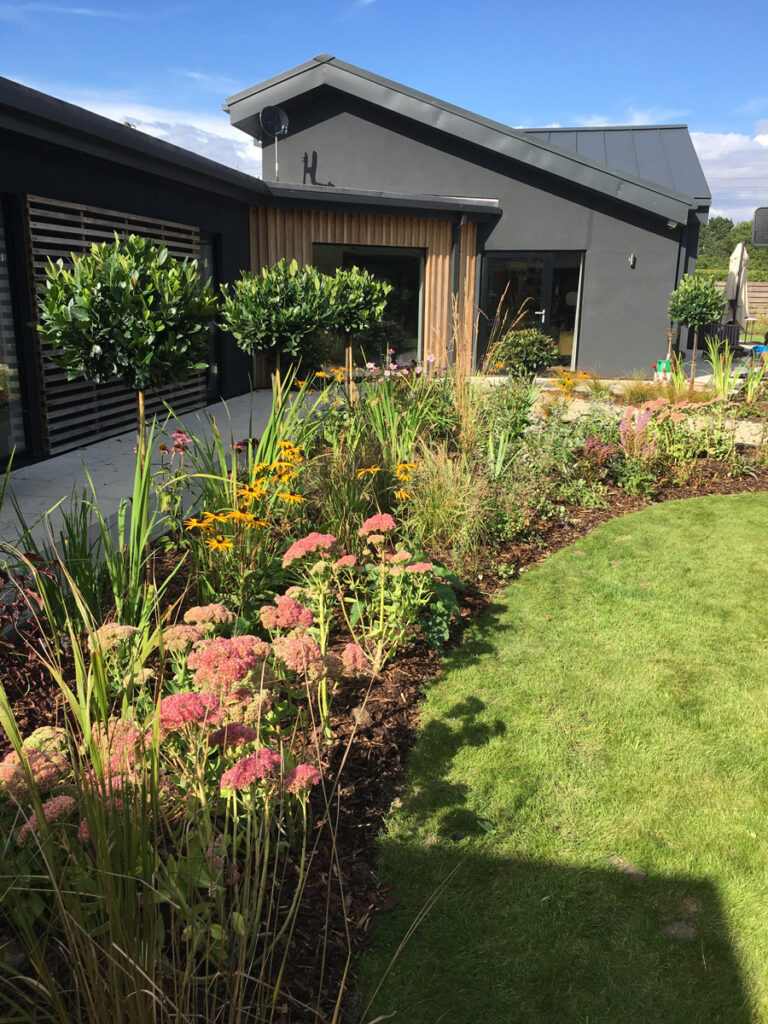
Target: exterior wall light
632 261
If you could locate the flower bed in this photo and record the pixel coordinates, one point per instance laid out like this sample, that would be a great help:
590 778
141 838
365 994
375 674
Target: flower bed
224 715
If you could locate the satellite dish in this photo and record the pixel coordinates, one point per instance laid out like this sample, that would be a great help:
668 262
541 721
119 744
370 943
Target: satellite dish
274 122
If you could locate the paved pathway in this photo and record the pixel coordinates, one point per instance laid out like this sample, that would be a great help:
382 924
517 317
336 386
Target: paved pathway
111 463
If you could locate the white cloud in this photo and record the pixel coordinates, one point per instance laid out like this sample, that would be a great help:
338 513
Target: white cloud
217 83
26 11
736 167
207 134
655 115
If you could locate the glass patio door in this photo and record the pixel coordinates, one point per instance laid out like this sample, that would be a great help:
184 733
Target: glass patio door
533 289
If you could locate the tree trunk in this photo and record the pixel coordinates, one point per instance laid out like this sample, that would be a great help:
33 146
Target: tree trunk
350 374
693 357
141 439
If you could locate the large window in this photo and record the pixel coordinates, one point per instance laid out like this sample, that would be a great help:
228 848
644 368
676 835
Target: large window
400 328
542 288
11 416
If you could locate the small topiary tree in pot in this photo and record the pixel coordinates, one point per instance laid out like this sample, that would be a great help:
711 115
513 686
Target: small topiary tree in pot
127 311
696 302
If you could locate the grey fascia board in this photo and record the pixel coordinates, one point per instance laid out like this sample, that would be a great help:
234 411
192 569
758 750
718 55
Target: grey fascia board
28 112
475 209
463 124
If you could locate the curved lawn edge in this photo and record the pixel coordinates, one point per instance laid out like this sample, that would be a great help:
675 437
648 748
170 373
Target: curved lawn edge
608 713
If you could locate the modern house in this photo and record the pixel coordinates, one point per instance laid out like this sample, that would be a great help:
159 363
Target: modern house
69 177
592 226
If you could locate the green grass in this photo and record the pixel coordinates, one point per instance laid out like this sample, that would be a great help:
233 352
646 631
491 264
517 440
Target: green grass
613 704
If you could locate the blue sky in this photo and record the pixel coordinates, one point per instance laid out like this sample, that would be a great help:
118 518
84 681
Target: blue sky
167 66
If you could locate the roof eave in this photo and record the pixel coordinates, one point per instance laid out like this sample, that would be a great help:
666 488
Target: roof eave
383 202
35 114
551 159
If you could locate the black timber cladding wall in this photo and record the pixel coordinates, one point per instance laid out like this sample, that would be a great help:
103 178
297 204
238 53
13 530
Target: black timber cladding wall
347 142
33 167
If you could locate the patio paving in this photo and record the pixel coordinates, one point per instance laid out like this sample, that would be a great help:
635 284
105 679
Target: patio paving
111 463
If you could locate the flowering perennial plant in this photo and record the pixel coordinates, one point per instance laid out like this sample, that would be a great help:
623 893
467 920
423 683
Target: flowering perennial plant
222 665
178 639
314 543
208 615
53 809
285 614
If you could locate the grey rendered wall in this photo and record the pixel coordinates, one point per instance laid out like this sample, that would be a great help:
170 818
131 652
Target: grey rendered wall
336 140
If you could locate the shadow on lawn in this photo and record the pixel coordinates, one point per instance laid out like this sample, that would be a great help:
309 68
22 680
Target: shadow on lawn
532 942
439 742
528 940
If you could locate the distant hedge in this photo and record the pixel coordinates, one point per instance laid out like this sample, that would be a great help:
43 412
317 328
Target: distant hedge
712 275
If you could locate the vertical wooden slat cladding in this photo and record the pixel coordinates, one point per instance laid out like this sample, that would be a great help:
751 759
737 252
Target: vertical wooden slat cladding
289 234
76 412
467 309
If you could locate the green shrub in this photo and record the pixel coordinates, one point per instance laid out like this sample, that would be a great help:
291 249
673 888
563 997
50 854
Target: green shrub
127 311
524 352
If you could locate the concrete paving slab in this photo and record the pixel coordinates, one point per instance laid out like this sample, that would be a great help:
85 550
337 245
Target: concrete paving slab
111 463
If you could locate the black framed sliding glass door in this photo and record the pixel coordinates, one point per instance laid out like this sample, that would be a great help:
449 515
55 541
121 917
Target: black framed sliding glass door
542 289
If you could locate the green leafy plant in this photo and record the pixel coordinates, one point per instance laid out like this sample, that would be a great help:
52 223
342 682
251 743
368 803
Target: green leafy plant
694 303
279 309
755 380
524 352
127 311
725 380
5 385
356 300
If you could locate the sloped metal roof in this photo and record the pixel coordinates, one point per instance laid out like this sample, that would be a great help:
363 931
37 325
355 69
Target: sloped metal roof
551 157
660 153
28 112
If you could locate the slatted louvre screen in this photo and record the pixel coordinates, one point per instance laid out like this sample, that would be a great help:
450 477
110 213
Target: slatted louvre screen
77 412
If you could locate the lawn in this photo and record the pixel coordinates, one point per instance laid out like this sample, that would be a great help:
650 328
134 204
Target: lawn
613 704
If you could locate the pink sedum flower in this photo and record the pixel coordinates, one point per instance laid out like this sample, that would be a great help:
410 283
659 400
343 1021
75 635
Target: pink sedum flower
381 523
355 660
53 809
208 615
398 557
301 778
120 741
110 635
300 653
308 545
233 735
221 665
180 710
178 639
263 765
345 562
286 613
419 567
47 769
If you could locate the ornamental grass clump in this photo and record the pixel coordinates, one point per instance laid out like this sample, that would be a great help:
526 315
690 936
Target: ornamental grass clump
155 853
